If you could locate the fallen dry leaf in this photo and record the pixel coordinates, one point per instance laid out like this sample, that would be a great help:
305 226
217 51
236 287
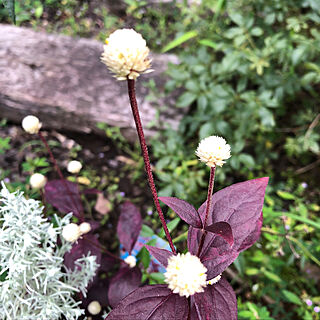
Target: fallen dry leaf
103 205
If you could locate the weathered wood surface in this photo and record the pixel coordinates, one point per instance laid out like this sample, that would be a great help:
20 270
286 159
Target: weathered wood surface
62 81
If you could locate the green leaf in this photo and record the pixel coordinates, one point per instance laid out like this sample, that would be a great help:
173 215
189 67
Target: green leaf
285 195
272 276
146 231
9 4
256 31
178 41
271 213
186 99
208 43
171 226
247 160
144 257
291 297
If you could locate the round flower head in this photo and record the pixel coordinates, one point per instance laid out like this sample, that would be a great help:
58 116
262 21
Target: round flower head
38 181
213 151
84 227
71 232
185 274
126 54
94 307
31 124
74 166
131 261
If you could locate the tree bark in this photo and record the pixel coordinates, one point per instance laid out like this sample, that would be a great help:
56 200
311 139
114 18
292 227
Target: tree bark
62 81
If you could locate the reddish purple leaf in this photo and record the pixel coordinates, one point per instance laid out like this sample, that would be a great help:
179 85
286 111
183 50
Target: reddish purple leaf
240 205
94 225
184 210
129 225
216 262
155 302
162 255
108 262
253 236
222 229
217 302
88 243
64 195
123 283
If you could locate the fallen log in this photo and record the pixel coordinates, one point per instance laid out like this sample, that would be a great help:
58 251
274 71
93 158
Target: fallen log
62 81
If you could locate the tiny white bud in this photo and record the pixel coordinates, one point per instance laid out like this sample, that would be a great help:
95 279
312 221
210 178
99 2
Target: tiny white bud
71 232
131 261
74 166
85 227
94 307
31 124
126 54
38 181
213 151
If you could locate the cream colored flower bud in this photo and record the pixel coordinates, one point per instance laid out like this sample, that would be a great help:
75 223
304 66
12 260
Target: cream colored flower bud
38 181
126 54
31 124
131 261
94 307
186 275
85 227
71 232
74 166
213 151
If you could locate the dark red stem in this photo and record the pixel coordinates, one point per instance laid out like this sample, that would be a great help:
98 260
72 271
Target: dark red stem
209 197
56 167
144 149
52 158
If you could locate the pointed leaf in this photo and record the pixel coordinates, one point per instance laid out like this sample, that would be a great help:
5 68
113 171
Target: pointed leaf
184 210
216 261
85 245
217 302
162 255
123 283
222 229
253 236
151 303
129 225
240 205
64 195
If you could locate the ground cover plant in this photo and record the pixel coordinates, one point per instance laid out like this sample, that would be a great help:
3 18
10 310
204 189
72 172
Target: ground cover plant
278 278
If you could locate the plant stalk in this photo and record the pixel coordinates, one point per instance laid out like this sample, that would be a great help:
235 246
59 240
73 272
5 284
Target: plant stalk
144 149
209 198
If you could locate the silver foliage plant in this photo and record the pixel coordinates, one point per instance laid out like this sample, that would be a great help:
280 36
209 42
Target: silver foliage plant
34 283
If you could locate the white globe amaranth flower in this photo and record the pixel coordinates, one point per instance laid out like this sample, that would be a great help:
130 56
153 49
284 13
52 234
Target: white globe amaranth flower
126 54
185 274
94 307
38 181
31 124
71 232
214 280
74 166
213 151
84 228
131 261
